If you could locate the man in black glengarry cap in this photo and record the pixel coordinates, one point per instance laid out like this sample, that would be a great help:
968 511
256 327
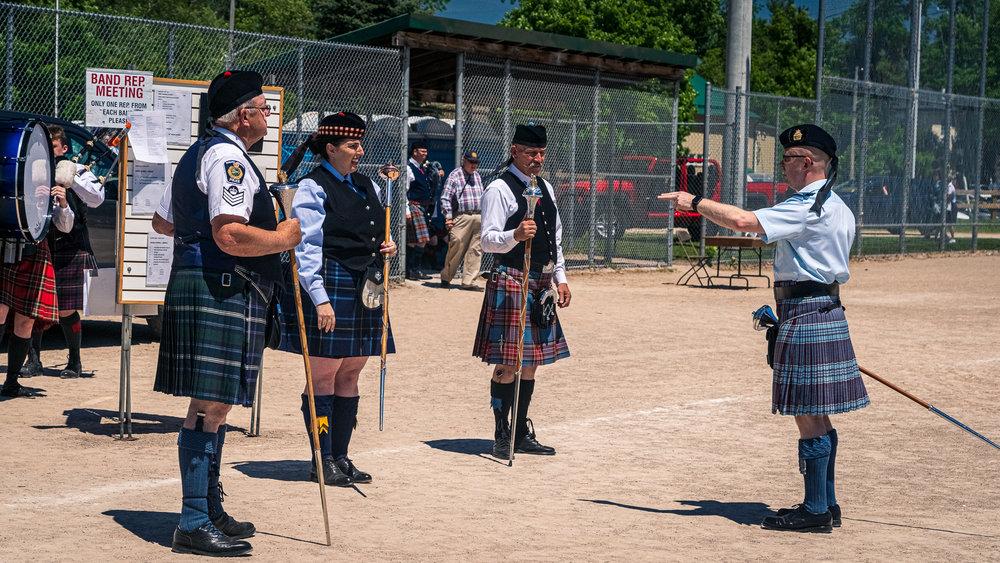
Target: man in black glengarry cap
225 268
505 229
815 372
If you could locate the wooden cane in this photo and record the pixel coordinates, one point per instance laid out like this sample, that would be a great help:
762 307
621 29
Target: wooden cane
285 196
390 173
928 406
532 194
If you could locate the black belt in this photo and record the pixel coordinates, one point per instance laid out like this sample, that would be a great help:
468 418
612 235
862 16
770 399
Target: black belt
476 212
807 289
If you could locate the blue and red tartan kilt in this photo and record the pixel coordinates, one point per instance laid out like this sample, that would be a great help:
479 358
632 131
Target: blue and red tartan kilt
357 330
499 322
71 265
28 286
213 337
815 370
416 225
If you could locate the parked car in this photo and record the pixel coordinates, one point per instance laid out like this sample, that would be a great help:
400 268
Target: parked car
883 202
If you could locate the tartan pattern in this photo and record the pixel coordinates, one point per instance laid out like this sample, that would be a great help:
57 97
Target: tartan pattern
28 286
70 266
357 331
496 337
815 371
416 225
213 337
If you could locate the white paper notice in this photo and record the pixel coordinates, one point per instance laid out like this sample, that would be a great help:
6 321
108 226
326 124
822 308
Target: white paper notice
159 254
177 106
148 137
149 180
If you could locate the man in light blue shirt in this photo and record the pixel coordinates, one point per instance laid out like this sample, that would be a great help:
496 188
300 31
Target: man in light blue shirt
815 371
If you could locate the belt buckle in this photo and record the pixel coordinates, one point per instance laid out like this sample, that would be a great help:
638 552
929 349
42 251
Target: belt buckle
227 279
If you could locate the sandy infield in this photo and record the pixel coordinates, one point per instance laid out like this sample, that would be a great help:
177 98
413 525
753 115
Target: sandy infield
667 450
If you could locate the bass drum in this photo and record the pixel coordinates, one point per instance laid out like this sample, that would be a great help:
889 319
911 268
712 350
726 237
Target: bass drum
26 177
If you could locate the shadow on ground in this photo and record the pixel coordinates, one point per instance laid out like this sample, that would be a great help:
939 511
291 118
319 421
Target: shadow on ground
744 513
102 422
153 527
470 446
289 470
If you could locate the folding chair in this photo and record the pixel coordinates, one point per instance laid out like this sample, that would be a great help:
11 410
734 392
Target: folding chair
699 263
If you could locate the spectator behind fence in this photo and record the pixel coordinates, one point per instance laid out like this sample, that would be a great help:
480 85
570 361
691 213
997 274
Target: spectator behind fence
461 204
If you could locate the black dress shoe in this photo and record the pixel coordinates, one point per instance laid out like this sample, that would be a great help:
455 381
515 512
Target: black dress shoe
208 540
528 445
234 528
356 475
332 475
412 276
800 520
501 448
72 371
445 283
16 390
834 512
32 367
423 275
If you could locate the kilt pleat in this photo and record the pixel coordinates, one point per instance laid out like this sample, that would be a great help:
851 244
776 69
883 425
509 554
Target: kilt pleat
499 323
28 286
357 330
70 267
815 370
213 337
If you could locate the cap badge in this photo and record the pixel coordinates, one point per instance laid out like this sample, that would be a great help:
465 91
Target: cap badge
797 136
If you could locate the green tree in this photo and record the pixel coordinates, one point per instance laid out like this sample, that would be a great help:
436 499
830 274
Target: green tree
336 17
783 52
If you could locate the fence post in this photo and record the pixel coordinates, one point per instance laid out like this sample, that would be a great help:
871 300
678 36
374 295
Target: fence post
572 183
404 135
821 29
506 100
705 162
982 115
459 111
593 167
673 175
55 77
9 86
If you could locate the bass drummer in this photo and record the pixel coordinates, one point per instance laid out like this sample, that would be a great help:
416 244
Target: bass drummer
72 256
28 287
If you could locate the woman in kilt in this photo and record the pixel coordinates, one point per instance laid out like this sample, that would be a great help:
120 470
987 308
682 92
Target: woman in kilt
28 288
72 256
343 246
504 232
815 372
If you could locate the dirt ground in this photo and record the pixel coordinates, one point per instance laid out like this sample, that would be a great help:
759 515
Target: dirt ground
667 450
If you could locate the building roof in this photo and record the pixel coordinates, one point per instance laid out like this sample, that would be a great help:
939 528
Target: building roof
434 43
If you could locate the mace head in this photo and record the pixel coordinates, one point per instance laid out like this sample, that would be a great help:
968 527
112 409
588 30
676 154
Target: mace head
532 193
389 172
285 194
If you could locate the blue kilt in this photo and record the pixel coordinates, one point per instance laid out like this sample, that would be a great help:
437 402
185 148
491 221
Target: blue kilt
213 337
357 331
815 371
500 319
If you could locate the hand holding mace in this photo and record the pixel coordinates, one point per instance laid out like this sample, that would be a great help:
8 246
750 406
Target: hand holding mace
285 194
389 173
532 193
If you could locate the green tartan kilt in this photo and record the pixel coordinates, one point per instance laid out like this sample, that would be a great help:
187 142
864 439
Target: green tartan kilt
213 337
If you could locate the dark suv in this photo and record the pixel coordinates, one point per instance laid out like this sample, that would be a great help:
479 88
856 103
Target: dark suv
102 220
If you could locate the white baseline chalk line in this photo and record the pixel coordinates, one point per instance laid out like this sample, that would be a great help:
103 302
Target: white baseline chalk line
94 493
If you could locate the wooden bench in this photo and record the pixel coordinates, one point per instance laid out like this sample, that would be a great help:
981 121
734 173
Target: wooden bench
993 206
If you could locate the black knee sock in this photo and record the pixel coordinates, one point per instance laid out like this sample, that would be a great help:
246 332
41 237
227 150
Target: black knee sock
345 415
523 401
501 400
36 343
71 330
324 419
17 350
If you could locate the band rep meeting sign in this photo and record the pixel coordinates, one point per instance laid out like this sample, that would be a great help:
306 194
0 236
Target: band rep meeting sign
111 95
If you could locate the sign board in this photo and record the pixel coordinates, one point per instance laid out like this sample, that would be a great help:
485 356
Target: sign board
174 107
112 94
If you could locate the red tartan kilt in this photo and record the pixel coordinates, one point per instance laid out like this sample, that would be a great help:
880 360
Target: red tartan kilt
28 287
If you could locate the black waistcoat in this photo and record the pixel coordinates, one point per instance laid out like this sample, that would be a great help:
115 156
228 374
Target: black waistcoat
354 227
78 237
420 189
543 245
194 245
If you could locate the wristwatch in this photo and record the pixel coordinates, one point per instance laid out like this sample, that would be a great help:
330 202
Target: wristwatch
694 203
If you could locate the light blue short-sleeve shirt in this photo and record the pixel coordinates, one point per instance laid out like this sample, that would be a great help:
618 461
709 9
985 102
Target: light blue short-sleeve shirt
809 247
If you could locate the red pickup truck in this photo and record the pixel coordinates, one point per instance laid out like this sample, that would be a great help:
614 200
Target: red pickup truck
631 201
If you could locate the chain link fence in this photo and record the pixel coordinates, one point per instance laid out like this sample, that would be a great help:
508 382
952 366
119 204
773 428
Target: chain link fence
47 52
610 145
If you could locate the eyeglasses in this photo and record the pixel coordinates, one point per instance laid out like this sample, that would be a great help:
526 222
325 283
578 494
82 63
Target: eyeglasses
533 153
266 110
789 157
